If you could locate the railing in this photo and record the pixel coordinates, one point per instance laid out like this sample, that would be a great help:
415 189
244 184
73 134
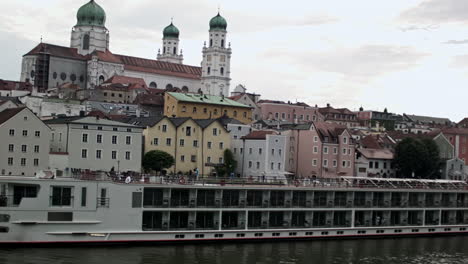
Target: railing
103 202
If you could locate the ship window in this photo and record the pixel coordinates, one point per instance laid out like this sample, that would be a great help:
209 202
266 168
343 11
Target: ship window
293 234
199 235
152 197
309 233
275 234
23 191
61 196
59 216
219 235
152 221
240 235
324 233
136 199
83 196
4 218
179 236
4 229
258 234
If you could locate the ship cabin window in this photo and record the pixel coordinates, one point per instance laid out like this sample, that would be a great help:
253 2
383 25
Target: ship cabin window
230 197
309 233
298 219
292 234
205 220
430 199
60 216
20 191
359 199
199 235
61 196
255 219
378 199
396 199
83 196
179 197
179 236
205 198
320 199
219 235
4 229
178 220
276 219
299 198
340 219
152 197
340 199
152 221
254 198
277 198
413 199
319 219
230 220
4 218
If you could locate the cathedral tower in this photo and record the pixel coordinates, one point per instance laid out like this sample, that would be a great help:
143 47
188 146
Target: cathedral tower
90 33
216 61
170 52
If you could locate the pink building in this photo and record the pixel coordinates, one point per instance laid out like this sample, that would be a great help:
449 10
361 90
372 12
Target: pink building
320 149
292 112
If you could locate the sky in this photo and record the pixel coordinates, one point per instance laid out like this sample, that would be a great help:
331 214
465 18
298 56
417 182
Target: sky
409 56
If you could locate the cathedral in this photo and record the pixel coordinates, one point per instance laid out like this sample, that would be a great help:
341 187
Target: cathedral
88 62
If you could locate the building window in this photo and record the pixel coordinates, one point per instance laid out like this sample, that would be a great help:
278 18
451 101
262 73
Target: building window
153 85
127 155
315 139
325 163
194 110
221 145
25 133
250 150
182 142
221 71
37 134
335 150
86 42
164 128
349 151
84 153
98 154
85 127
23 161
349 164
272 165
184 109
344 164
115 129
344 151
114 154
168 141
24 148
209 71
325 150
10 161
128 140
188 131
314 162
315 149
36 162
208 159
85 138
215 132
12 132
244 114
11 148
335 163
114 139
345 140
209 144
279 166
36 149
182 158
258 165
235 113
193 158
260 151
250 164
155 141
195 143
99 138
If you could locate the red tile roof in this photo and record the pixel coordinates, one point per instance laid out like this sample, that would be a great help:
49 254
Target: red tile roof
260 134
377 153
463 123
370 142
127 80
150 99
58 51
13 85
330 130
6 114
455 131
236 97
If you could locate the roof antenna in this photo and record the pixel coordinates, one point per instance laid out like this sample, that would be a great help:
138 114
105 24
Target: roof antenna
172 19
41 38
219 9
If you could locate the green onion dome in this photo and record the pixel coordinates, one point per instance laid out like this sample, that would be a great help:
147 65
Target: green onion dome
91 14
171 31
218 22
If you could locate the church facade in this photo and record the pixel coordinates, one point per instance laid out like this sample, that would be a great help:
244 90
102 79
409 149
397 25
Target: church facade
88 62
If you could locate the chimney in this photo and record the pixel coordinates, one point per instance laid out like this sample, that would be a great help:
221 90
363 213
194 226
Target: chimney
328 105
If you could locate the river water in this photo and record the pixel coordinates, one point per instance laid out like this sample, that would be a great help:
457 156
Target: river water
403 250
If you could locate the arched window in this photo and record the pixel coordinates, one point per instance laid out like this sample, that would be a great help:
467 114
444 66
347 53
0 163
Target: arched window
86 42
175 50
169 86
222 43
101 79
185 89
222 70
209 70
194 110
211 42
215 111
184 109
164 50
153 85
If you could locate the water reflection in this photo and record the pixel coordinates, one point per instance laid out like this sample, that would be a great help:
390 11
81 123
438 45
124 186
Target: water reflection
416 250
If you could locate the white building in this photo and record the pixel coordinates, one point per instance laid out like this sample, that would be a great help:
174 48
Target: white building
47 107
25 143
91 143
237 131
375 163
264 156
88 61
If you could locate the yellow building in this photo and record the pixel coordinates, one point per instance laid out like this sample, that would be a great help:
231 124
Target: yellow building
199 106
193 143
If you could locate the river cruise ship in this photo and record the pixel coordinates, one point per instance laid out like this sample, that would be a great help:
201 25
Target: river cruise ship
90 210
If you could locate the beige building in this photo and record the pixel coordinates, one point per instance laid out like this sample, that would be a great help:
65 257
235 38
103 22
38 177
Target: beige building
194 143
25 143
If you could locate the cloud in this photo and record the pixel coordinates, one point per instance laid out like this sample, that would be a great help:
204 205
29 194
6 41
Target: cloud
360 63
414 27
437 12
454 41
459 61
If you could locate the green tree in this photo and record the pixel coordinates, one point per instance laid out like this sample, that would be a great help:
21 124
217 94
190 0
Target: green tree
417 156
229 164
157 160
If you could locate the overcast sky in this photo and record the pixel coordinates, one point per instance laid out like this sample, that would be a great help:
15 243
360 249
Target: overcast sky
410 56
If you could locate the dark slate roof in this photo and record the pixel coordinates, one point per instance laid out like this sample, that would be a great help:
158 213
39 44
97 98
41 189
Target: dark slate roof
6 114
204 123
224 120
144 121
13 99
177 121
